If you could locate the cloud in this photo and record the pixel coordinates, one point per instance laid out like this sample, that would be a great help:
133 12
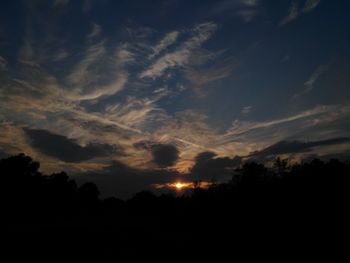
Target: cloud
190 58
310 5
12 139
139 32
247 15
137 112
288 147
239 127
295 12
124 55
203 75
82 71
320 122
66 149
342 156
310 83
61 55
246 10
98 74
180 57
95 31
102 91
167 41
246 110
164 155
189 128
314 77
209 167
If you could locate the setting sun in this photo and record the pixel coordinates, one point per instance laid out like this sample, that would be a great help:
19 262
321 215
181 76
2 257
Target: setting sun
179 186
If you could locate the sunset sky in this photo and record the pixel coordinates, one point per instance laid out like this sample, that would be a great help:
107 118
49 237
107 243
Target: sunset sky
138 94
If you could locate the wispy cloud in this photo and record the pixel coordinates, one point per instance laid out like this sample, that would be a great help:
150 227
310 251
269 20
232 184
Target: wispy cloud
246 10
96 31
314 77
310 83
80 75
201 75
134 112
279 129
61 55
293 13
310 5
294 10
180 57
247 15
292 147
164 43
246 110
99 74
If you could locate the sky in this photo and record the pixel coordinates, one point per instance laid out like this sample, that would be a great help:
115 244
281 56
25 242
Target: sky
138 95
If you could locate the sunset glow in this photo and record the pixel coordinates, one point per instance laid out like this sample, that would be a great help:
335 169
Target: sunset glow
179 186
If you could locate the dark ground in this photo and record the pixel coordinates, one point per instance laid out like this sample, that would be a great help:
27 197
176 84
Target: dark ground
295 212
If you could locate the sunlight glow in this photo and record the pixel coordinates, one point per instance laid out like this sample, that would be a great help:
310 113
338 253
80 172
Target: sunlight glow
179 186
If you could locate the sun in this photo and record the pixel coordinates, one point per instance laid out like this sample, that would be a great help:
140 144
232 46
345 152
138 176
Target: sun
179 186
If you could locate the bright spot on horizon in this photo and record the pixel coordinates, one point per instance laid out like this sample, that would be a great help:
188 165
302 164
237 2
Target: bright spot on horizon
179 185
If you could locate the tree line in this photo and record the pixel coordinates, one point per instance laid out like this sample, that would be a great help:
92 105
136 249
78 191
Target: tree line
316 186
306 201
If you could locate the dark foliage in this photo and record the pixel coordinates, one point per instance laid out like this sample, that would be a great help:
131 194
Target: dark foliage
259 207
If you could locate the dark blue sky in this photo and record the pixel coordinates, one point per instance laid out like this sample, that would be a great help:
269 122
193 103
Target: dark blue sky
98 79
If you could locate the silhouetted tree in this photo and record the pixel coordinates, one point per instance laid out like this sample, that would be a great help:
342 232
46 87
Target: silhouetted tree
291 200
281 165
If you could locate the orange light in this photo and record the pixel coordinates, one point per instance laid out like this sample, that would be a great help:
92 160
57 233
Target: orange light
179 186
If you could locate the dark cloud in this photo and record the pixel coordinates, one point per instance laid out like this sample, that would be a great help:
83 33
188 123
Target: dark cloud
285 147
66 149
207 167
123 181
204 157
343 156
164 155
